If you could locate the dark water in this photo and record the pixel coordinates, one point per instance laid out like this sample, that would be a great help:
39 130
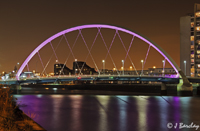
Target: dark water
110 112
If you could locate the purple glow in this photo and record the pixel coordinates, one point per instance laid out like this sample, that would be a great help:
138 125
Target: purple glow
151 43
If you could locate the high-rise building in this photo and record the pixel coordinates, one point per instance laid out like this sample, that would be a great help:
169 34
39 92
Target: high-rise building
190 43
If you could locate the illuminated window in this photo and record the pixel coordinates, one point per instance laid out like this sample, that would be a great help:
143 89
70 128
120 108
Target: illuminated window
192 55
197 14
198 51
192 24
192 38
192 47
198 65
197 28
192 60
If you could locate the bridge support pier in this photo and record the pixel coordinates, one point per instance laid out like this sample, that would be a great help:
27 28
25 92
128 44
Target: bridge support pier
184 88
163 89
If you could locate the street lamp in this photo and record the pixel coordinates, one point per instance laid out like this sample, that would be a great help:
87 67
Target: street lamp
123 66
103 66
185 66
163 61
142 67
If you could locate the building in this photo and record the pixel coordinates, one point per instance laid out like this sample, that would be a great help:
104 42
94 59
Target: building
61 69
79 67
82 68
190 43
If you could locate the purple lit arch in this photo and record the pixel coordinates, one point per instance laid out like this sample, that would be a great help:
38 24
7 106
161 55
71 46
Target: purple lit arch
148 41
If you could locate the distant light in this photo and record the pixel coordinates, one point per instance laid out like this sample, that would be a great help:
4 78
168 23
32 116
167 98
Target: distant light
54 89
56 60
122 60
154 67
142 61
163 61
184 61
79 78
122 68
114 69
75 59
103 60
46 88
131 67
18 63
13 71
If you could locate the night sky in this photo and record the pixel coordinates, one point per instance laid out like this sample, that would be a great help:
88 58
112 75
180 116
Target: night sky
26 24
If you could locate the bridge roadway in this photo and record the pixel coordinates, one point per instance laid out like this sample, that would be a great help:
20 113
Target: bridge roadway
92 77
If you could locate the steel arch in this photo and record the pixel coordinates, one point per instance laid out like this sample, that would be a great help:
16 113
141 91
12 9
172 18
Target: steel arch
145 39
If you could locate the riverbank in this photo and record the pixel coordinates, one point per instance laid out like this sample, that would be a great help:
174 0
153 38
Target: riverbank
11 117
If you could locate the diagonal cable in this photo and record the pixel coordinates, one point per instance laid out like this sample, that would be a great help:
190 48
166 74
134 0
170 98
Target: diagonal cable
69 53
127 51
129 47
111 43
146 56
41 61
70 50
89 51
27 67
52 54
108 51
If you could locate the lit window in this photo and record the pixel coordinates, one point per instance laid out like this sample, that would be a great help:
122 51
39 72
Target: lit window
192 38
192 60
198 28
198 51
198 65
192 55
192 24
197 14
192 47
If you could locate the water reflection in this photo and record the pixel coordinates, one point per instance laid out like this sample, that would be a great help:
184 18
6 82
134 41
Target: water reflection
109 113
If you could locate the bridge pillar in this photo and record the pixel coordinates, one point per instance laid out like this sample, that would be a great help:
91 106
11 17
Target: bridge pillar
184 88
163 89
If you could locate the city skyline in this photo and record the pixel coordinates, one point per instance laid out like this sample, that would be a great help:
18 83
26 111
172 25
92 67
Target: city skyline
34 22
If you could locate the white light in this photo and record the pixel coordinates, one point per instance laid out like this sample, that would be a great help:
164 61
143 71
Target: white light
142 61
75 59
54 89
103 60
184 61
163 61
122 60
18 63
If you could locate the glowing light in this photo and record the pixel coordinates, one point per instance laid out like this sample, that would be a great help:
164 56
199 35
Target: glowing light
103 61
54 89
142 61
154 67
152 44
75 59
131 67
114 69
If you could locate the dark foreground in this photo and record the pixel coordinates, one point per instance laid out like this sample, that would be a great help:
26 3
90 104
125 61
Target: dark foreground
67 112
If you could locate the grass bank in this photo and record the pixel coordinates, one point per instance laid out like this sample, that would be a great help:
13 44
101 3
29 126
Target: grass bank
11 117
